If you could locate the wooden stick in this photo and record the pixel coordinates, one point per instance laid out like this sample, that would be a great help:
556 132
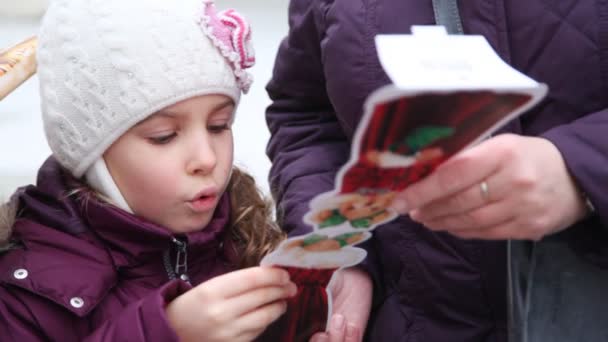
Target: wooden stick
17 64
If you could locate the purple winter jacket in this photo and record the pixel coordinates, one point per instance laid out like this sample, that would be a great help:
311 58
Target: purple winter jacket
432 286
85 271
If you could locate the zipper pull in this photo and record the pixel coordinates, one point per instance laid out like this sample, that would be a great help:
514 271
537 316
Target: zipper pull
181 260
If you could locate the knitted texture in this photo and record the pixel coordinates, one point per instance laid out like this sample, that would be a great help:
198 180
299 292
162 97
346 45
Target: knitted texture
105 65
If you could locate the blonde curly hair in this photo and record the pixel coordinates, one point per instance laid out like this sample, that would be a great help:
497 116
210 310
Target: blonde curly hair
252 225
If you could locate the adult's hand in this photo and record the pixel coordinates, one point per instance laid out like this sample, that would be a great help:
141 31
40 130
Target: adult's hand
351 303
507 187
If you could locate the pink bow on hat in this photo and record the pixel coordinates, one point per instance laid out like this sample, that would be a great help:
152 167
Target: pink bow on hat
231 34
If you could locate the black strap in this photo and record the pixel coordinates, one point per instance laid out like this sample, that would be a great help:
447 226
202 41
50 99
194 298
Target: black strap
448 15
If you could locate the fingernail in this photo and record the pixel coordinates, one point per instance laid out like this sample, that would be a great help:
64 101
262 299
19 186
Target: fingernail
293 289
337 322
400 206
285 278
320 337
351 330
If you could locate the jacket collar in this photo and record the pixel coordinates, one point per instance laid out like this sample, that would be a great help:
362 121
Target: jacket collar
127 237
132 240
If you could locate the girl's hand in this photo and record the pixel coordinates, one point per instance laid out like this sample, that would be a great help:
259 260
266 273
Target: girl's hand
351 300
508 187
236 306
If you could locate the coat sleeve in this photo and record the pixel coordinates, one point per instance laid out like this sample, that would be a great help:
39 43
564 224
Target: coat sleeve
144 320
27 318
307 144
584 147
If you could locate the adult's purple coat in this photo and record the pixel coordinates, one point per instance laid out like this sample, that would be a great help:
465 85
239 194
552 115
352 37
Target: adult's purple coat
432 286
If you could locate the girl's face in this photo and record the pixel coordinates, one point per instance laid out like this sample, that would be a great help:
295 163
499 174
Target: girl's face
173 167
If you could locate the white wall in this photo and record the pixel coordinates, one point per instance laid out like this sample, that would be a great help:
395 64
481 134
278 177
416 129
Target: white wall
22 144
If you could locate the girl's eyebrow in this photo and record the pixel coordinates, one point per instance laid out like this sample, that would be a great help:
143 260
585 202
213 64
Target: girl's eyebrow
216 108
166 112
222 105
163 112
172 114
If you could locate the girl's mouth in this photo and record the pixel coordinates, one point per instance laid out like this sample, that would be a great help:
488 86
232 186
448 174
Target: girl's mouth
202 203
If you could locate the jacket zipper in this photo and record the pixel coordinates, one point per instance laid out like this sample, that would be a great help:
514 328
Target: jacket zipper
181 261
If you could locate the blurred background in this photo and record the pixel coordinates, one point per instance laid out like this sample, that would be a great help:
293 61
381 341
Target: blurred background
22 144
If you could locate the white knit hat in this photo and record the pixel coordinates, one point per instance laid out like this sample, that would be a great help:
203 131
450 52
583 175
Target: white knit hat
105 65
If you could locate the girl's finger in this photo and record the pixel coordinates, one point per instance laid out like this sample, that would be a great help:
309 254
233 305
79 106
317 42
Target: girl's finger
249 301
235 283
260 318
320 337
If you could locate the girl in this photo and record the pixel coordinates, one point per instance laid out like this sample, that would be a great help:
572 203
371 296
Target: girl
138 222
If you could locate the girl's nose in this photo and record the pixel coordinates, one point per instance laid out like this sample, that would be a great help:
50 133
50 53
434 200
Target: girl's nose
202 157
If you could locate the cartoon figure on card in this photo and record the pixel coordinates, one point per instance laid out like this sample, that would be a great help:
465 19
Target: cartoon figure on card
360 211
403 140
411 149
324 243
320 251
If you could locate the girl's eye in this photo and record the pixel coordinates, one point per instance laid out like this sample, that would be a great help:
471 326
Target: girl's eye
218 128
164 139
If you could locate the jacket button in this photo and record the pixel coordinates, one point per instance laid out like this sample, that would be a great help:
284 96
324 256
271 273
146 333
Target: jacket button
20 274
77 302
